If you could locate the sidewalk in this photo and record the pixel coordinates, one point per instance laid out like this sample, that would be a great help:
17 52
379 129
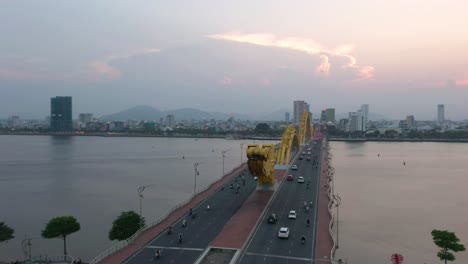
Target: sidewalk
324 241
150 234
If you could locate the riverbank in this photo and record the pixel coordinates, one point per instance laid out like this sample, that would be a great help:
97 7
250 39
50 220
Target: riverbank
111 134
444 140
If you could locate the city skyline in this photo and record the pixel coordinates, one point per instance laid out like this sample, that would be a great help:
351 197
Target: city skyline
174 55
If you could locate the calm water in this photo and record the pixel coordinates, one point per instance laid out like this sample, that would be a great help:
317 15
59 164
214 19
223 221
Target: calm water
386 207
96 178
390 208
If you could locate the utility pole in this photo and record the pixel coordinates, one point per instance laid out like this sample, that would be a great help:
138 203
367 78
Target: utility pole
196 173
224 156
242 148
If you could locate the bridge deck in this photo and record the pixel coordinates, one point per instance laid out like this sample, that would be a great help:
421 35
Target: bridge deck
149 235
237 231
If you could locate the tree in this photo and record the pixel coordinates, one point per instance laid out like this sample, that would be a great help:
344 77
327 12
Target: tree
61 227
446 241
6 232
125 225
262 128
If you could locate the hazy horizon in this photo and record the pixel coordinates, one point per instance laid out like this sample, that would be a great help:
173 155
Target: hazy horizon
235 57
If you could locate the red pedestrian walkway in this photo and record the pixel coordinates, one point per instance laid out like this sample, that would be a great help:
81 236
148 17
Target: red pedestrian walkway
151 233
324 241
240 227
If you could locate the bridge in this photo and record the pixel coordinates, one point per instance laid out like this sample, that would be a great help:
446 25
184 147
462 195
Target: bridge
229 221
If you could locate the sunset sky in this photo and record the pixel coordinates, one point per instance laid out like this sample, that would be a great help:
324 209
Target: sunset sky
400 57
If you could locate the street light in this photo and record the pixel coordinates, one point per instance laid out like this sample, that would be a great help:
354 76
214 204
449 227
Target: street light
242 147
140 193
224 155
196 173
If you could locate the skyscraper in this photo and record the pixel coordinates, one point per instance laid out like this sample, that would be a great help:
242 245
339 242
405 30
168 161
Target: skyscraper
299 108
364 117
61 114
410 122
286 117
440 114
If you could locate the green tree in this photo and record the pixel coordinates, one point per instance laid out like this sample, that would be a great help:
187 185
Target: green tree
61 227
6 232
262 128
446 241
125 225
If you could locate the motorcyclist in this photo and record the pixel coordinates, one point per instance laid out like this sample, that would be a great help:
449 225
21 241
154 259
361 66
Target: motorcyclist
184 223
169 230
157 253
303 239
308 222
181 237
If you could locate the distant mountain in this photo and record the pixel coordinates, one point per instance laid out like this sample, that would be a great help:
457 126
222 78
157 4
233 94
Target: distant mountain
372 116
144 112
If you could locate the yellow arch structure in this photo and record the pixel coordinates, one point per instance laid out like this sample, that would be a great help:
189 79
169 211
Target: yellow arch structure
291 139
306 131
261 162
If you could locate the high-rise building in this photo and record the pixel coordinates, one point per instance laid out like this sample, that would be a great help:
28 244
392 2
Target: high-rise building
410 122
440 114
84 118
353 122
364 119
61 114
299 108
286 117
330 115
170 121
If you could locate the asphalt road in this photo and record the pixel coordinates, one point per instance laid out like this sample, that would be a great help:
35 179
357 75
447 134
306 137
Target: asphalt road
201 230
265 246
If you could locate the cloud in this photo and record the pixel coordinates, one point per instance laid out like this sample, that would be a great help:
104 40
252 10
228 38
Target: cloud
461 82
225 81
324 68
102 69
309 46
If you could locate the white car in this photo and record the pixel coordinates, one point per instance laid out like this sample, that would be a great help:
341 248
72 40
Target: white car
294 167
292 214
300 179
283 232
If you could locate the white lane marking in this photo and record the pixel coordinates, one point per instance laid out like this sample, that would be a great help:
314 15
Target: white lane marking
177 248
277 256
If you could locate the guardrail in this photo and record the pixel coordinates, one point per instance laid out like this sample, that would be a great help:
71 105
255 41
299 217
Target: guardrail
332 198
129 240
50 259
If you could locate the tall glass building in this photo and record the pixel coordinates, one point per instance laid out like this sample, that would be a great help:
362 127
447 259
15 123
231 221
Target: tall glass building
61 114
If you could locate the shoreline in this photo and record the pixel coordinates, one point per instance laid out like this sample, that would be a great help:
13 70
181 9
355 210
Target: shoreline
252 137
135 135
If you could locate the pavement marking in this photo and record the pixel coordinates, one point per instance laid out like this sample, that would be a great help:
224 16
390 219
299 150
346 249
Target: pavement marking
278 256
177 248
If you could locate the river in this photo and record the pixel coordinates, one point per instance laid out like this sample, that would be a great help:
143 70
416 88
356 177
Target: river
388 207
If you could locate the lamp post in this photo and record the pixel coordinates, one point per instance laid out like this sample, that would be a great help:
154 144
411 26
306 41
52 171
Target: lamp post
242 148
196 173
140 193
224 155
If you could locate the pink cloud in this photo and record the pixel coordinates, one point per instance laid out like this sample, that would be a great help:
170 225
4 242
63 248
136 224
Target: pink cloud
324 68
461 82
226 81
309 46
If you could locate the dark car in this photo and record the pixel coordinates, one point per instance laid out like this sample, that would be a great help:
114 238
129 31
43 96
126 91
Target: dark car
290 178
272 219
301 157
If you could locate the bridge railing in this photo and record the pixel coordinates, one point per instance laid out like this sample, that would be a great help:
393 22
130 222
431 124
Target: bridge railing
131 239
50 259
330 191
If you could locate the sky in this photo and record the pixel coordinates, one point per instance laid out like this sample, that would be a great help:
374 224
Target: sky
400 57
